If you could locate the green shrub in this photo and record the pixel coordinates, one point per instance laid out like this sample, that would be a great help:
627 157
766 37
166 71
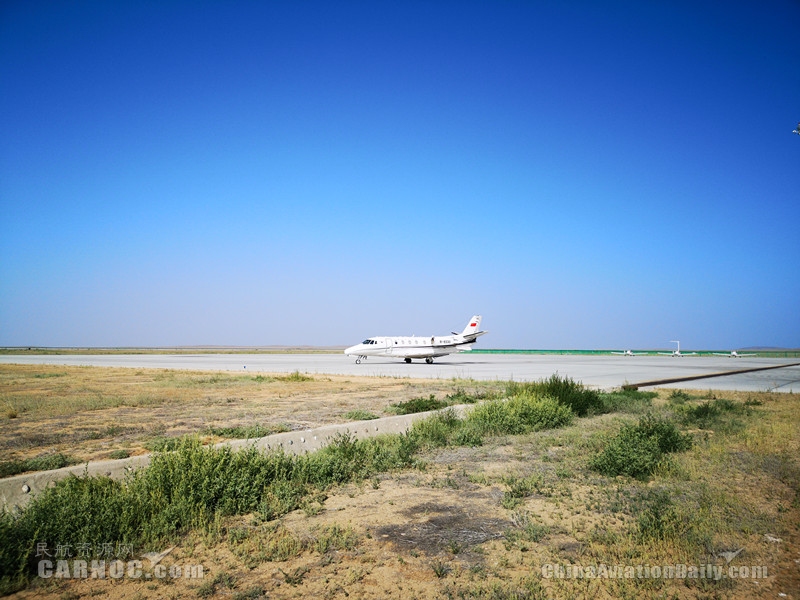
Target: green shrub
436 430
666 434
246 432
581 400
460 396
360 415
678 397
512 416
656 516
43 462
469 434
417 405
719 414
629 401
281 497
519 414
637 449
165 444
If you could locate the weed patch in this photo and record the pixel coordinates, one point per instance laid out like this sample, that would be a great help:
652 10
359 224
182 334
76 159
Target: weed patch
294 376
43 462
461 396
519 489
636 450
268 543
720 414
360 415
417 405
334 538
437 430
519 414
627 401
188 488
581 400
162 443
248 432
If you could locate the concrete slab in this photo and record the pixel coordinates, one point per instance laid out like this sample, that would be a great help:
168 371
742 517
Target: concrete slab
603 371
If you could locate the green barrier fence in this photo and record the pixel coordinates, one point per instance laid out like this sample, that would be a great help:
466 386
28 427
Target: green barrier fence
758 353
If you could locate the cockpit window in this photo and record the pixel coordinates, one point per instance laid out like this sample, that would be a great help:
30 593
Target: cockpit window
369 342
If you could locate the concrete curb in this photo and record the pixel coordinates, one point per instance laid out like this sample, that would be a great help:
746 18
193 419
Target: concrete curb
18 490
657 382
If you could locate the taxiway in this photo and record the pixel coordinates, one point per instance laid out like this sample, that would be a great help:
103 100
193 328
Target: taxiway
603 371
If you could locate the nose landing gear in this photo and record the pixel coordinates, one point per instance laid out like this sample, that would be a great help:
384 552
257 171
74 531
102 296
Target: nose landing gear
358 360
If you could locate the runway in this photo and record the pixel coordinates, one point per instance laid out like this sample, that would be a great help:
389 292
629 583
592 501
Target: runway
603 372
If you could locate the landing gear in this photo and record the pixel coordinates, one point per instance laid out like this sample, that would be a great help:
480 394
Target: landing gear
429 360
358 360
408 360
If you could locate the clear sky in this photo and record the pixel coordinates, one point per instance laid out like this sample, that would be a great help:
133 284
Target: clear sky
583 174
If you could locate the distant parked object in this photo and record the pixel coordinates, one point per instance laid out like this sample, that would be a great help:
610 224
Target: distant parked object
732 354
677 353
408 347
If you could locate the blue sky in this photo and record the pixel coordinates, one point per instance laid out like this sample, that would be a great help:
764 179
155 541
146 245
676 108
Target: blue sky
585 175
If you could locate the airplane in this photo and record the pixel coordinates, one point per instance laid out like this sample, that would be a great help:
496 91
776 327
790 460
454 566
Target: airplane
732 354
408 347
629 353
677 353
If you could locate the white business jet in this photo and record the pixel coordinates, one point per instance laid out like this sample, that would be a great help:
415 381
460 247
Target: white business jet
732 354
408 347
677 353
629 353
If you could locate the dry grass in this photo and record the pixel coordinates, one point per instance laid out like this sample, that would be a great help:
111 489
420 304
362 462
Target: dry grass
91 412
469 522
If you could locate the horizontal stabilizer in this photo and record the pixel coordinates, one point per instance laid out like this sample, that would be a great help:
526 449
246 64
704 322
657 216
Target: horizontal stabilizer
470 337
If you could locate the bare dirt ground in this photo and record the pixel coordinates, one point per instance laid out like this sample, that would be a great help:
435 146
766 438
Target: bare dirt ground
89 412
445 529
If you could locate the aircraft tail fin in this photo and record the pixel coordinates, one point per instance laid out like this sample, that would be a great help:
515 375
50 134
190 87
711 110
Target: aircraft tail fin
473 326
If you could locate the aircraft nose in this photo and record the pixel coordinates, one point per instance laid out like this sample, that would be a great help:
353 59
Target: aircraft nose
350 350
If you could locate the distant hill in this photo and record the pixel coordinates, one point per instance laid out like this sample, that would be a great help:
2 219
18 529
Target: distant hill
770 349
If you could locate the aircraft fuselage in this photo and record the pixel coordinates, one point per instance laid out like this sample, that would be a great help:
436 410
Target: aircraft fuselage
421 347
